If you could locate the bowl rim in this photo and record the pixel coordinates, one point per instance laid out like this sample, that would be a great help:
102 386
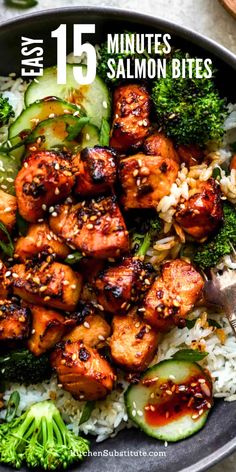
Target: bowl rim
194 37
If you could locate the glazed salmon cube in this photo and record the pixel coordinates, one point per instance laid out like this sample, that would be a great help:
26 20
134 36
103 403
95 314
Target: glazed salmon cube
49 283
44 180
8 207
146 179
157 144
130 117
202 213
5 282
48 327
93 331
95 171
40 239
96 228
82 371
14 321
121 284
133 342
172 295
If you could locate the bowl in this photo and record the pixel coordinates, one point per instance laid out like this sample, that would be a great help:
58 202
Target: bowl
131 450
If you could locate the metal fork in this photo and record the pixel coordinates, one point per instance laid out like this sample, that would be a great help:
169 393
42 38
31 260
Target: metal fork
220 291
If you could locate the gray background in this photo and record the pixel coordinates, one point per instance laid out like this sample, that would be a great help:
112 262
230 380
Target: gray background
204 16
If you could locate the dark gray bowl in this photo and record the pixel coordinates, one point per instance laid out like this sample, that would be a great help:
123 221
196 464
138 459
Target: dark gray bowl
218 438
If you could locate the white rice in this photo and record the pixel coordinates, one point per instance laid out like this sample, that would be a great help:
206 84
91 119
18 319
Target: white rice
110 416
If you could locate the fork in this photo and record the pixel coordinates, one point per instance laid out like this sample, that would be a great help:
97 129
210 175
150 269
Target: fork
220 292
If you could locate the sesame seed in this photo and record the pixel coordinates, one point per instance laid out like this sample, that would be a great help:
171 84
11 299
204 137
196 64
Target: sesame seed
169 392
101 338
57 191
51 209
135 172
43 288
195 416
152 408
73 287
8 273
147 282
133 412
140 413
74 356
54 213
171 377
26 164
89 226
87 137
44 207
40 220
33 331
104 104
81 397
86 325
100 307
56 167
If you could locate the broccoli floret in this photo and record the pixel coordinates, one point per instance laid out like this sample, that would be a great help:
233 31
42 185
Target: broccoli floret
6 111
104 56
23 367
40 438
142 238
210 252
189 110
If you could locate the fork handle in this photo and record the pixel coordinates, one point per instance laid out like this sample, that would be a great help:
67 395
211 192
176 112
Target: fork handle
232 320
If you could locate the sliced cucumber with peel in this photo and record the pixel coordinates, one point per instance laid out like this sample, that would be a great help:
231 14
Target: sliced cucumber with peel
90 136
148 393
55 133
9 168
37 112
93 98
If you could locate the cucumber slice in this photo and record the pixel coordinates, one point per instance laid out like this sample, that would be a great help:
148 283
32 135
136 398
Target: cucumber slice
94 98
9 168
37 112
65 132
89 136
165 415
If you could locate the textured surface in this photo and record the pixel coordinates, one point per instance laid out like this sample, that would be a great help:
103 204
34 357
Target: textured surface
204 16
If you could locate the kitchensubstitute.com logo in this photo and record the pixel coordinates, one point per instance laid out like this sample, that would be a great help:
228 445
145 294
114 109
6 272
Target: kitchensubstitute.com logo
126 453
